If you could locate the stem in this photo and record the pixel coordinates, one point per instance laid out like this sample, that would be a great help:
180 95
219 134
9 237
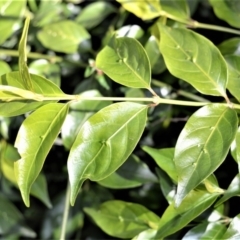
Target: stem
65 214
182 103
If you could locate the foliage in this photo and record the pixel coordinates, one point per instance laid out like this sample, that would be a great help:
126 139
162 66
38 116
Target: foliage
90 97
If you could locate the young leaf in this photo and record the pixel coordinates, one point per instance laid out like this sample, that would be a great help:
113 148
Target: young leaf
120 61
123 219
132 173
145 10
195 59
64 36
40 86
34 140
111 134
203 145
175 219
233 190
22 60
227 11
233 231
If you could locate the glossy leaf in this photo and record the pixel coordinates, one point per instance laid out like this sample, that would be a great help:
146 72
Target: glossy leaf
175 219
227 11
132 173
143 9
164 159
10 13
131 31
177 8
230 46
234 75
64 36
22 59
233 190
147 234
94 13
112 135
203 145
40 86
195 59
233 231
119 60
39 188
123 219
34 140
78 113
4 68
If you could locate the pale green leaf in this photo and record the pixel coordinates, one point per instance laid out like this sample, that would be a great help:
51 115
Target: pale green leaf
233 231
34 140
203 145
123 219
230 46
112 135
78 113
177 8
64 36
132 173
4 68
143 9
164 159
131 31
94 13
233 190
40 86
22 59
148 234
174 219
193 58
227 11
120 61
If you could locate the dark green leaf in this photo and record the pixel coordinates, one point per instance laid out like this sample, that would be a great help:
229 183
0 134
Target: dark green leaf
94 13
143 9
64 36
227 11
203 145
40 86
123 219
34 140
132 173
112 135
164 159
195 59
79 112
120 61
175 219
230 46
233 231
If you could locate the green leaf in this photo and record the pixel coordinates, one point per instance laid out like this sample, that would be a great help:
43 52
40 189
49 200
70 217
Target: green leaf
177 8
34 140
234 73
123 219
112 135
9 215
203 145
233 190
131 31
148 234
94 13
132 173
237 148
64 36
143 9
233 231
78 113
22 60
164 159
40 86
195 59
4 68
227 11
10 13
49 70
230 46
175 219
120 61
